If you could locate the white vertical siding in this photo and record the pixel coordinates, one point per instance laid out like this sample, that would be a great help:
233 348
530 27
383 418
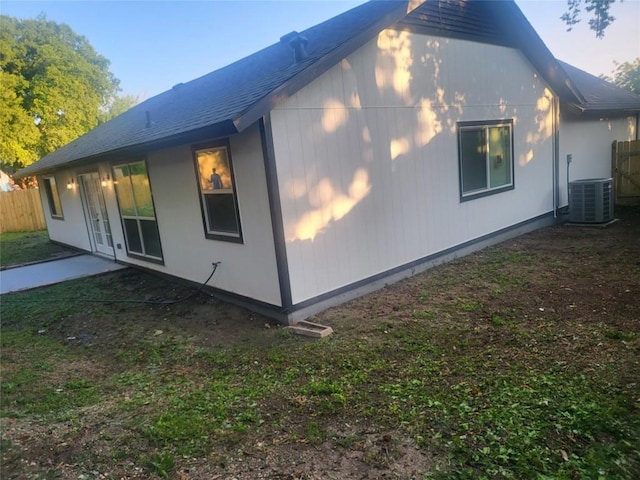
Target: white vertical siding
71 229
247 269
589 143
367 156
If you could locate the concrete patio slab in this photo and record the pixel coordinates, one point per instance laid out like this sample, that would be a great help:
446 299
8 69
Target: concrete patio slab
48 273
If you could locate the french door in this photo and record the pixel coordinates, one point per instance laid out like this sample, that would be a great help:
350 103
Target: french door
96 210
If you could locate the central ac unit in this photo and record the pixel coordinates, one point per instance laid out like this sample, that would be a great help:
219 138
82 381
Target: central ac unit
590 200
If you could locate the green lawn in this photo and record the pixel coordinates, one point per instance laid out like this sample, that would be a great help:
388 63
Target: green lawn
24 247
517 362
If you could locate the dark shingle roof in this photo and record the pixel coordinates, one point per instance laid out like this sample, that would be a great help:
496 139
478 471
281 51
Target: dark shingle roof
230 99
222 102
600 96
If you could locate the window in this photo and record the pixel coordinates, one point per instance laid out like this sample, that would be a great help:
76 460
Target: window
51 190
136 210
486 158
217 192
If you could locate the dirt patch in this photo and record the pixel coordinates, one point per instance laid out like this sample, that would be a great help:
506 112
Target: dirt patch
563 297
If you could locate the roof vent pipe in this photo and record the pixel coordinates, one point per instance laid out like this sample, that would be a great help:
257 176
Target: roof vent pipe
149 122
298 43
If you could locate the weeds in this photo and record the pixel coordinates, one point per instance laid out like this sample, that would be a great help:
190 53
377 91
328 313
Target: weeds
162 464
464 367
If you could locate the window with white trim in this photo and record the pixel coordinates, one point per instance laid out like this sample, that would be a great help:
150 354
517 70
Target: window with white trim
485 152
216 185
53 198
137 212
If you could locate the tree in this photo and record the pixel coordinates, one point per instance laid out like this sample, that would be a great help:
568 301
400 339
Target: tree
627 75
54 87
117 106
19 134
599 9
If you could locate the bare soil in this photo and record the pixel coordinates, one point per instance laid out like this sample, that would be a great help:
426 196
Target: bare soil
577 281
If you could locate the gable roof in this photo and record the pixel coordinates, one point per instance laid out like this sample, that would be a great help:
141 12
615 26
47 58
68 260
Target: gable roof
230 99
234 97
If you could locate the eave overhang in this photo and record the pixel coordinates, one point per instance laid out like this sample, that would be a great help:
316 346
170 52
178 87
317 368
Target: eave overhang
218 130
319 66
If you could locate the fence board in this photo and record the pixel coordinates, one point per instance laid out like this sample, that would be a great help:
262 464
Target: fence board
21 211
626 158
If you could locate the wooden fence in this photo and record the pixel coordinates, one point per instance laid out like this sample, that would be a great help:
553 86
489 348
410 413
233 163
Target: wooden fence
21 211
625 162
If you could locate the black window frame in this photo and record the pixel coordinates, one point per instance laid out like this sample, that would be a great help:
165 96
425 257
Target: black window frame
133 254
51 192
209 232
484 126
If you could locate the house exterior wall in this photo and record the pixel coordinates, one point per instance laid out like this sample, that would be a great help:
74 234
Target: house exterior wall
367 156
589 143
247 269
71 229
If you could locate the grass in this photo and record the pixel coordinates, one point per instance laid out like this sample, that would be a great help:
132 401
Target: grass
483 390
23 247
480 419
41 308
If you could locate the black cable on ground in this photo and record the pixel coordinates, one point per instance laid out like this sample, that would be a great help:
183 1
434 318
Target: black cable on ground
142 302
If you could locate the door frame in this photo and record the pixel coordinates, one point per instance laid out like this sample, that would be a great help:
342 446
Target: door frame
101 209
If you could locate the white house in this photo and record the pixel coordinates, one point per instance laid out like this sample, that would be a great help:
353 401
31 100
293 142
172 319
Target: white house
347 156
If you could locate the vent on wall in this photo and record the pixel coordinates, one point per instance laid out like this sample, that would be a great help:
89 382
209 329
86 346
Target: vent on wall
590 201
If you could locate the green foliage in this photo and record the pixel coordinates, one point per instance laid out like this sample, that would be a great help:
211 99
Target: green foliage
314 433
53 88
192 420
424 315
599 9
627 75
117 106
536 425
20 135
162 464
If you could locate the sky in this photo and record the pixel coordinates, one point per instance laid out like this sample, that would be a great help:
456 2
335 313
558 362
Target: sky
155 44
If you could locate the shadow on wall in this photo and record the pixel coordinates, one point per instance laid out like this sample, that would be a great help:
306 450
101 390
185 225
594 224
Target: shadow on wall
392 105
